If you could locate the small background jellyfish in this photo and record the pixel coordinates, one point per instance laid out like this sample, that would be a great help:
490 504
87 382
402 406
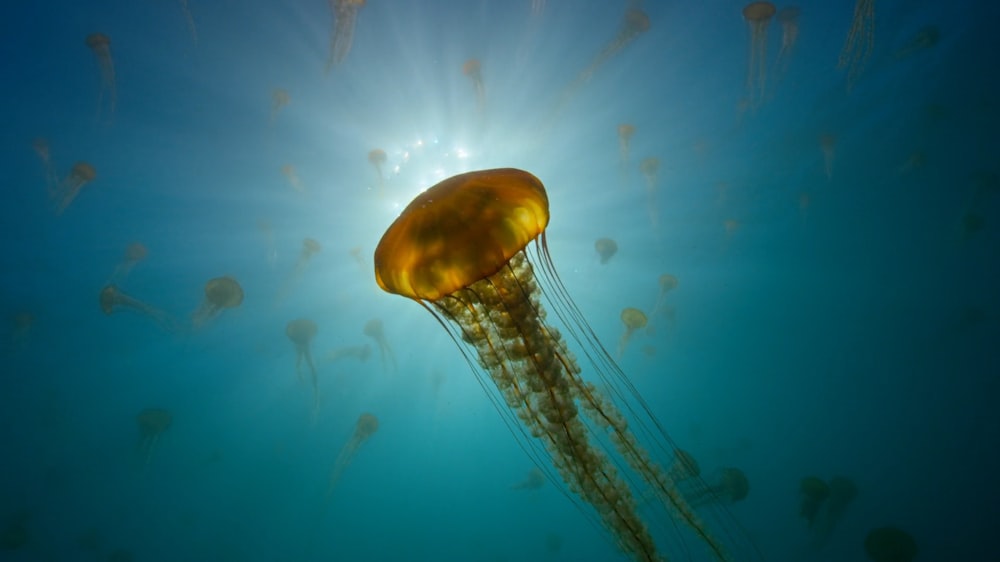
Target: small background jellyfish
890 544
66 191
926 38
279 99
757 16
634 320
301 333
625 133
310 248
293 178
272 250
22 324
473 69
788 17
100 44
134 253
365 427
729 486
650 168
860 42
345 16
533 480
828 145
221 293
41 148
112 299
377 158
842 494
813 493
373 329
606 249
152 423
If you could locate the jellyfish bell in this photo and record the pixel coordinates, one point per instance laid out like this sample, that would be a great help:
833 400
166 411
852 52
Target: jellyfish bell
301 333
112 299
66 191
152 423
814 492
310 248
757 16
100 45
471 250
634 320
473 69
345 13
606 249
221 293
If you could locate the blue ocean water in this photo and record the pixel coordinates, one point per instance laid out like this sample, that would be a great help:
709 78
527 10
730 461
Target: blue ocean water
835 242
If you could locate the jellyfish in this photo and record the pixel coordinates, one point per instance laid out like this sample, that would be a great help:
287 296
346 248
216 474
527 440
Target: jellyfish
190 20
650 168
100 44
473 70
301 333
293 178
842 493
345 15
310 248
757 16
359 352
134 253
20 333
926 38
533 480
66 191
634 320
279 99
667 283
730 487
41 147
272 251
828 144
814 493
112 299
859 43
625 132
221 293
606 249
152 423
890 544
377 158
788 17
373 329
356 254
366 426
635 23
915 161
471 250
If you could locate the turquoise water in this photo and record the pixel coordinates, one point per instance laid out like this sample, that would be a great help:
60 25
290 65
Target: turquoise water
836 250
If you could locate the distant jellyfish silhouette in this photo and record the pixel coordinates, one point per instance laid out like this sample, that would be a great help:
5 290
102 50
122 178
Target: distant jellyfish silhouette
377 158
41 148
301 333
730 486
606 249
374 330
927 37
345 15
272 250
828 145
814 493
293 178
634 320
788 17
860 42
112 299
534 480
152 423
279 99
310 247
221 293
365 427
625 133
890 544
473 69
757 16
100 44
134 253
668 283
650 168
66 191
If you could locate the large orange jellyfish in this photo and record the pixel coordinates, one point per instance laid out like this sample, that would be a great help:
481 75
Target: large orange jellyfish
221 293
112 299
373 329
301 333
814 492
134 253
625 133
66 191
365 427
788 17
345 15
377 158
279 99
461 250
473 69
757 15
606 249
859 43
890 544
634 320
100 44
152 423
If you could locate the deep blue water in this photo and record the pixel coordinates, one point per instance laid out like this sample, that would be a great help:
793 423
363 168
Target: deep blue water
825 324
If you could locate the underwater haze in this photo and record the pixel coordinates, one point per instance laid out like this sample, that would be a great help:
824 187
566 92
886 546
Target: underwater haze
774 234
